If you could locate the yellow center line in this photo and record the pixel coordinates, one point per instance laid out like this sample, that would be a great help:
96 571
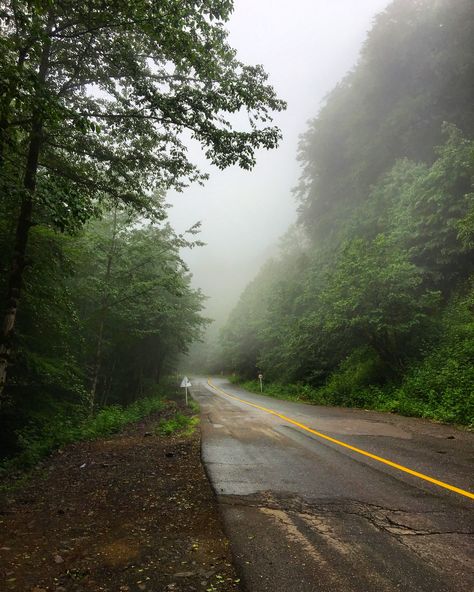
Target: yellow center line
344 445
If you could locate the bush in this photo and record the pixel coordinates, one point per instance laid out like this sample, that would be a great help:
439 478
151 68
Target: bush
441 385
46 432
289 392
355 382
178 423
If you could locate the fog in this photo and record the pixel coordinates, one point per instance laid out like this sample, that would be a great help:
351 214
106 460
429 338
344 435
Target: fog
306 47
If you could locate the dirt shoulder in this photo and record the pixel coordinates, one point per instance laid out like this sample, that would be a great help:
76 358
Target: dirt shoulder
130 513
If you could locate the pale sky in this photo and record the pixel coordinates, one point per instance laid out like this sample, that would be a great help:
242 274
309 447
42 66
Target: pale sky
306 46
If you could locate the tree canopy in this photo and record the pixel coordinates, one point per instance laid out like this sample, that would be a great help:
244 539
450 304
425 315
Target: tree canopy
98 102
381 282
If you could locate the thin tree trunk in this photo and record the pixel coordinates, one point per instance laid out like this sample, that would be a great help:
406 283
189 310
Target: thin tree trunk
103 314
97 364
17 266
108 384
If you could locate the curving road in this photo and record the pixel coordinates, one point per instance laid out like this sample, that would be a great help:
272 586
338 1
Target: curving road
309 512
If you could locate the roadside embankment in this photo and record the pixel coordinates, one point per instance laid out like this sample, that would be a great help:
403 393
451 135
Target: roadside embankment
127 513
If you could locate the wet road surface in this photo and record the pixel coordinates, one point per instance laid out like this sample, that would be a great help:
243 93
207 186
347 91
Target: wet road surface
305 514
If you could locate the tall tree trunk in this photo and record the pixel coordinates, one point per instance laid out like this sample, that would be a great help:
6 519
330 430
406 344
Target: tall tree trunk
103 313
17 266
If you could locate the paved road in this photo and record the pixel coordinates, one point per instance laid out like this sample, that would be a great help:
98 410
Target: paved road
305 514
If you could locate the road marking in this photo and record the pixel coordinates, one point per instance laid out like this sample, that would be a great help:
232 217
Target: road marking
344 445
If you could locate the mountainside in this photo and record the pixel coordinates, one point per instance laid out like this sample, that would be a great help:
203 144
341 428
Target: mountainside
371 300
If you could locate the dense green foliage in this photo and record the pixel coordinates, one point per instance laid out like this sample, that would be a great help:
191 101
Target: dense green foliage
105 313
179 423
370 300
414 74
98 104
51 429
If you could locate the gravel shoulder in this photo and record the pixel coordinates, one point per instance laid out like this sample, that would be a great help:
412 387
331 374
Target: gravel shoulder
130 513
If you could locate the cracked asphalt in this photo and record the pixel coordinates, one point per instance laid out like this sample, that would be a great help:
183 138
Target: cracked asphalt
304 514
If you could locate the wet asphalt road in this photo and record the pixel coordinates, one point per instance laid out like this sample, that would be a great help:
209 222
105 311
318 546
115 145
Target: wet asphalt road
304 514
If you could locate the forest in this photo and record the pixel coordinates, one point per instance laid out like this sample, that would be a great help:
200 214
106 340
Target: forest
98 101
370 300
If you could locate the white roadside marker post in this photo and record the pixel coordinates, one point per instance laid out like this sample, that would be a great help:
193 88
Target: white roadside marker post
260 377
185 383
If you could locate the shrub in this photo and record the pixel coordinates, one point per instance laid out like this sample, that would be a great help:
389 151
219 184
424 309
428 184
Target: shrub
178 423
45 432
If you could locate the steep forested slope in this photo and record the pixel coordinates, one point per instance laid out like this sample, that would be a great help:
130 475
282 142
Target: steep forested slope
373 306
415 72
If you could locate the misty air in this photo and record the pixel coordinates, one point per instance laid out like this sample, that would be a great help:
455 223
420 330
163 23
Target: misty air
237 286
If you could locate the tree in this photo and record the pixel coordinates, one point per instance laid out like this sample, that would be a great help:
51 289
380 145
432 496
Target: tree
413 74
378 308
97 102
136 304
428 213
376 295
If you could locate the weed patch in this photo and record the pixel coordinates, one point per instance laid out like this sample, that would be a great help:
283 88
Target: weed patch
39 439
179 423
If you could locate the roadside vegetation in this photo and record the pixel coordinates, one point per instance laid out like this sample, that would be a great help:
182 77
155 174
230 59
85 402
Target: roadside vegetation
95 100
179 423
370 302
53 429
116 513
49 430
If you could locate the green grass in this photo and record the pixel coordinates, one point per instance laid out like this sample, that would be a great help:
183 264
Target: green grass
179 423
44 435
288 392
421 394
194 406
